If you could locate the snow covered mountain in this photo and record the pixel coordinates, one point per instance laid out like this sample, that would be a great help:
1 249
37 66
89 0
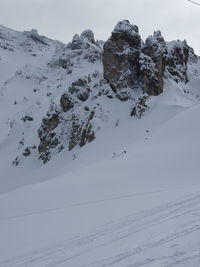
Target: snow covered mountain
54 96
99 150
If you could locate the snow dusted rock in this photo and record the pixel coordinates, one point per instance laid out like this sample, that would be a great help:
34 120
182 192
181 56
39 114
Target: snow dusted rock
140 107
66 102
76 43
152 64
85 45
121 57
68 123
128 63
81 131
59 130
88 35
48 138
80 89
56 95
179 55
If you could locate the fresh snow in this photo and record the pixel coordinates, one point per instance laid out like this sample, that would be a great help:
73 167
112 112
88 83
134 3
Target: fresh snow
130 198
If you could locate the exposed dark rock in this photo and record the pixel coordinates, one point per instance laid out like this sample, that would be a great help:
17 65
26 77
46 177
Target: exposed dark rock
86 108
121 56
177 60
75 132
85 45
89 35
83 41
27 118
48 140
93 55
51 122
33 35
152 64
87 135
83 96
80 89
76 43
81 132
27 152
128 63
55 132
64 63
80 82
140 107
16 161
66 103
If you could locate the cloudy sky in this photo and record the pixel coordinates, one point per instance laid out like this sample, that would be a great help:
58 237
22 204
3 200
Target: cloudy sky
61 19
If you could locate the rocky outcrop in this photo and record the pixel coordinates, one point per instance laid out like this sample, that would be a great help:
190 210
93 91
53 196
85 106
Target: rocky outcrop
66 102
64 85
152 64
177 60
63 126
88 35
86 45
56 132
140 107
135 70
130 63
80 89
81 131
47 135
121 57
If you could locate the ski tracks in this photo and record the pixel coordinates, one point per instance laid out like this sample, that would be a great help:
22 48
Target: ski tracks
155 237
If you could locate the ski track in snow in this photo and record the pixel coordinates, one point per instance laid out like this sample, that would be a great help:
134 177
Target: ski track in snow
183 214
78 205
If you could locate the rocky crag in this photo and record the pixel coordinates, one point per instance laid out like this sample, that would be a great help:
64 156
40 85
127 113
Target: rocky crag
70 90
131 63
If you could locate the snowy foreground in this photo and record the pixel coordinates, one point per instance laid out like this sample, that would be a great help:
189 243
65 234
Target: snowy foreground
129 198
141 208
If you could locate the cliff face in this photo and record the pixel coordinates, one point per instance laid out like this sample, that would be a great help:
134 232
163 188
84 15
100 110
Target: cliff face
130 63
121 55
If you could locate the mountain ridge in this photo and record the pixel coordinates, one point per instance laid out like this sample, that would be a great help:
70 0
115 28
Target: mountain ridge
67 90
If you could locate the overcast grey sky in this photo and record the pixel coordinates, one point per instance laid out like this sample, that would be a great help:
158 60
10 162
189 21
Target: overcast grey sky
61 19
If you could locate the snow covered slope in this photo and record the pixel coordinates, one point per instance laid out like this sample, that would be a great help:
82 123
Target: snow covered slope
132 209
117 190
